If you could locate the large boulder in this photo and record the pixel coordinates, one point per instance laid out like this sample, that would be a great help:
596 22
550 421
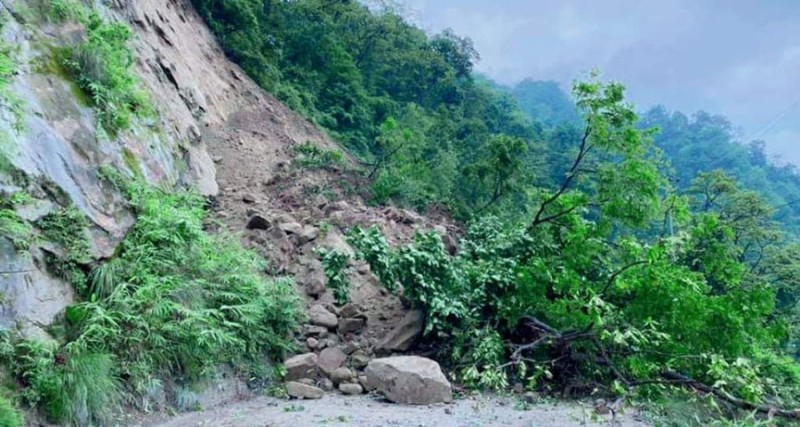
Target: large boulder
299 390
301 366
410 380
330 359
404 335
320 316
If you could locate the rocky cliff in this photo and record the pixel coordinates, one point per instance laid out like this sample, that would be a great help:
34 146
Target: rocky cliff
215 130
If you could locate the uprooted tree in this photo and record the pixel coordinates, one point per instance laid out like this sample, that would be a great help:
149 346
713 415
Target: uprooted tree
616 284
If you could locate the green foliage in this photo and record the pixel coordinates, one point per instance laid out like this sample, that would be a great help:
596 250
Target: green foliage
312 157
187 301
372 247
598 264
101 66
405 103
174 302
334 264
9 414
72 388
68 229
12 227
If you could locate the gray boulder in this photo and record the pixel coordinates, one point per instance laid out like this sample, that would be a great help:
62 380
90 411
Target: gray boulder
299 390
330 359
409 380
301 366
319 315
350 389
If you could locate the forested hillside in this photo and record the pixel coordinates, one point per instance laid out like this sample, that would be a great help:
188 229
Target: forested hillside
702 142
561 246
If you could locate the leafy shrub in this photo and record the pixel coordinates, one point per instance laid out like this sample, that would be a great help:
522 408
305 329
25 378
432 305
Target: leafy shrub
72 388
334 263
102 66
594 293
185 300
312 157
68 228
174 302
15 229
9 415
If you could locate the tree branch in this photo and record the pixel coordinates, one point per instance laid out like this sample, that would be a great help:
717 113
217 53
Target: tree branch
793 414
571 174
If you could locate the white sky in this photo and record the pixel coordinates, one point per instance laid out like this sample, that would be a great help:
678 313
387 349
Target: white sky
739 58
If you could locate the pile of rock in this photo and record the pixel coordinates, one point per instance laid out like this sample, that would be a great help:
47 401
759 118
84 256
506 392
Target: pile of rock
338 360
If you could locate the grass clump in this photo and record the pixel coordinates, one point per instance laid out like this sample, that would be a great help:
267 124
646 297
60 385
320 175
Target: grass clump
67 228
9 415
72 388
310 156
177 301
101 65
171 305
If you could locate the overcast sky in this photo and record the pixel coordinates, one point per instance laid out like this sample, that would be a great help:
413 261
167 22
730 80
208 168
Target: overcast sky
739 58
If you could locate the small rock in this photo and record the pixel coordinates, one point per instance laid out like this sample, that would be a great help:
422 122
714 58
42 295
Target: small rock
330 359
291 227
258 222
363 268
341 375
362 379
315 286
359 359
322 317
351 310
312 343
248 198
350 347
519 388
351 325
303 391
307 234
340 205
448 411
531 398
316 331
326 384
301 366
351 389
601 407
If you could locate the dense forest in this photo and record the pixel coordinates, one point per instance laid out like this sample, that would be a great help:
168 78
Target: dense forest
647 259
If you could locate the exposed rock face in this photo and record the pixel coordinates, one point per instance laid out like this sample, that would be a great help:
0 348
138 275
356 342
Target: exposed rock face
31 298
410 380
301 366
405 334
299 390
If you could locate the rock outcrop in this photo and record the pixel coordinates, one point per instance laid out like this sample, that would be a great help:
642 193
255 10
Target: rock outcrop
410 380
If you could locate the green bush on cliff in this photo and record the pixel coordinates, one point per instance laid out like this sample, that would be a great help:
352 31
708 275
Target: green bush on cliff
101 65
174 302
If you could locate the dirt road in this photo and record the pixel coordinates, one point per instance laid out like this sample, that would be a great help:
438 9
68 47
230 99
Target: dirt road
365 411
